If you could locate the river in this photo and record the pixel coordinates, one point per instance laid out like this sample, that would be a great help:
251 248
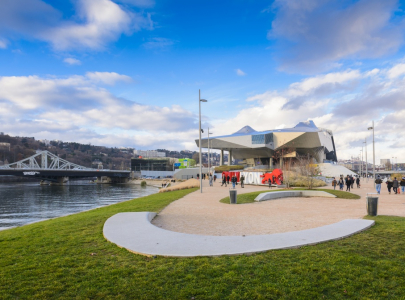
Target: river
27 202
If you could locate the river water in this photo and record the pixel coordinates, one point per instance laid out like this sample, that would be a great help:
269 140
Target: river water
27 202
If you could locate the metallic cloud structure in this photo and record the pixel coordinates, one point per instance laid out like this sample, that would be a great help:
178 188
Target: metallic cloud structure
262 147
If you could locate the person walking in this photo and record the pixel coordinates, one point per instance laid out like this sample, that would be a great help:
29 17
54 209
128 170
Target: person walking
210 179
215 177
378 182
395 185
348 183
242 181
402 184
233 180
351 181
227 179
269 182
389 185
358 182
334 183
223 180
341 183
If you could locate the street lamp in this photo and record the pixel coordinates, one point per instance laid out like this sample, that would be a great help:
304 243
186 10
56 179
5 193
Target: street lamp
369 128
392 164
209 150
199 132
365 142
361 161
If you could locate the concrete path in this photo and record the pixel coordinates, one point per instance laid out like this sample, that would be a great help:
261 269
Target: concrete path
135 232
202 213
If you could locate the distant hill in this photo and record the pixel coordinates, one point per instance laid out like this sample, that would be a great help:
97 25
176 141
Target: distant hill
82 154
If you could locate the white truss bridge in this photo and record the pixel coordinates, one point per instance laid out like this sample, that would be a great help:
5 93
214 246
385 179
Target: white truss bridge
44 160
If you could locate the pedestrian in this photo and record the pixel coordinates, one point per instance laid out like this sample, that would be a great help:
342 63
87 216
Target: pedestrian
378 182
402 184
215 177
351 181
242 181
223 180
334 183
358 182
269 183
341 183
348 183
227 179
233 181
389 185
211 180
395 185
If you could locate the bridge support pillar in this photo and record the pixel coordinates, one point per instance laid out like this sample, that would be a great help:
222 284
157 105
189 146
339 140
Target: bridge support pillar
60 181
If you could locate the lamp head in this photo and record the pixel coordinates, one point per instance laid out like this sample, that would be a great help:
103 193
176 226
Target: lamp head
203 100
202 130
370 128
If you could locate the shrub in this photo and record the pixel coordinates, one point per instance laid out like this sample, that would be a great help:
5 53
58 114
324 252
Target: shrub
143 183
397 175
228 168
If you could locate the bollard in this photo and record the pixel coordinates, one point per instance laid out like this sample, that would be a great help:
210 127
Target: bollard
233 196
372 205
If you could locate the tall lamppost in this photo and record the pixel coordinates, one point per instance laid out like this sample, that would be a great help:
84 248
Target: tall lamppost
199 132
361 161
365 142
392 164
372 128
209 150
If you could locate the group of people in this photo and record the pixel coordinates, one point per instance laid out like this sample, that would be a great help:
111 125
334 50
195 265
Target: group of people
391 184
234 180
349 181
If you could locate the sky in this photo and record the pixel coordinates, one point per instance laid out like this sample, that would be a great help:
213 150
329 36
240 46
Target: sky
127 73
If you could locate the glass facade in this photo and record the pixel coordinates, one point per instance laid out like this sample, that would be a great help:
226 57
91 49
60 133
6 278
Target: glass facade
262 138
139 164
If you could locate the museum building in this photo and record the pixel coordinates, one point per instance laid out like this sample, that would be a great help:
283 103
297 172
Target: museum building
272 147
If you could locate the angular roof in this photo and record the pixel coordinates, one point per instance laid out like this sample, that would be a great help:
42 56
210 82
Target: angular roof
307 126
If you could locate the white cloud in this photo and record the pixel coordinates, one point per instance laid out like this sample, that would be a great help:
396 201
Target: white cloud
324 99
158 43
317 34
95 24
77 109
396 71
3 44
109 78
72 61
239 72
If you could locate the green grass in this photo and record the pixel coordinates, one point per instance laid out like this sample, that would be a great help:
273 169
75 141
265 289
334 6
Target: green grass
52 260
250 197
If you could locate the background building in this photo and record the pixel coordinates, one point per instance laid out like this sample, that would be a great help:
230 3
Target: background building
273 146
149 153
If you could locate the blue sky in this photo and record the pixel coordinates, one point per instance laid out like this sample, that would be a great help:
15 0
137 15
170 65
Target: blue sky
127 73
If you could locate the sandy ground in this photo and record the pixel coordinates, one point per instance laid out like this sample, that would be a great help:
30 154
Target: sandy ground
203 213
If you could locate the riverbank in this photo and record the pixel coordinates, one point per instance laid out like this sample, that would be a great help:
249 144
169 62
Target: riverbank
28 202
69 258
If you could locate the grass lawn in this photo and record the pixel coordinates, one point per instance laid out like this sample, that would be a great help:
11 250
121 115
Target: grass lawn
68 258
250 197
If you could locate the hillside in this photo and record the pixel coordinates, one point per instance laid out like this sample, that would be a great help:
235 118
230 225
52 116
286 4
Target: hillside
83 154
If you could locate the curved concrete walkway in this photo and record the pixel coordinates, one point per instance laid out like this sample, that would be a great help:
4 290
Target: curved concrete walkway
289 194
134 231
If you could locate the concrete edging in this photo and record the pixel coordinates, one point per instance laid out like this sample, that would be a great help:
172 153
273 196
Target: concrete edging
288 194
135 232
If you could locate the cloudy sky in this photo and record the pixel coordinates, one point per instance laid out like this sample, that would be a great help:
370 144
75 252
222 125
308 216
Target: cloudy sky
127 72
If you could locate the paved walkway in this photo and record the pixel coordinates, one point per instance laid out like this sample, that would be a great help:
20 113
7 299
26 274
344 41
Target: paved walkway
134 232
203 214
199 224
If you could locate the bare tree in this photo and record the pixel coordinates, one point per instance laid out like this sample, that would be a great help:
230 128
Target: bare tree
307 169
